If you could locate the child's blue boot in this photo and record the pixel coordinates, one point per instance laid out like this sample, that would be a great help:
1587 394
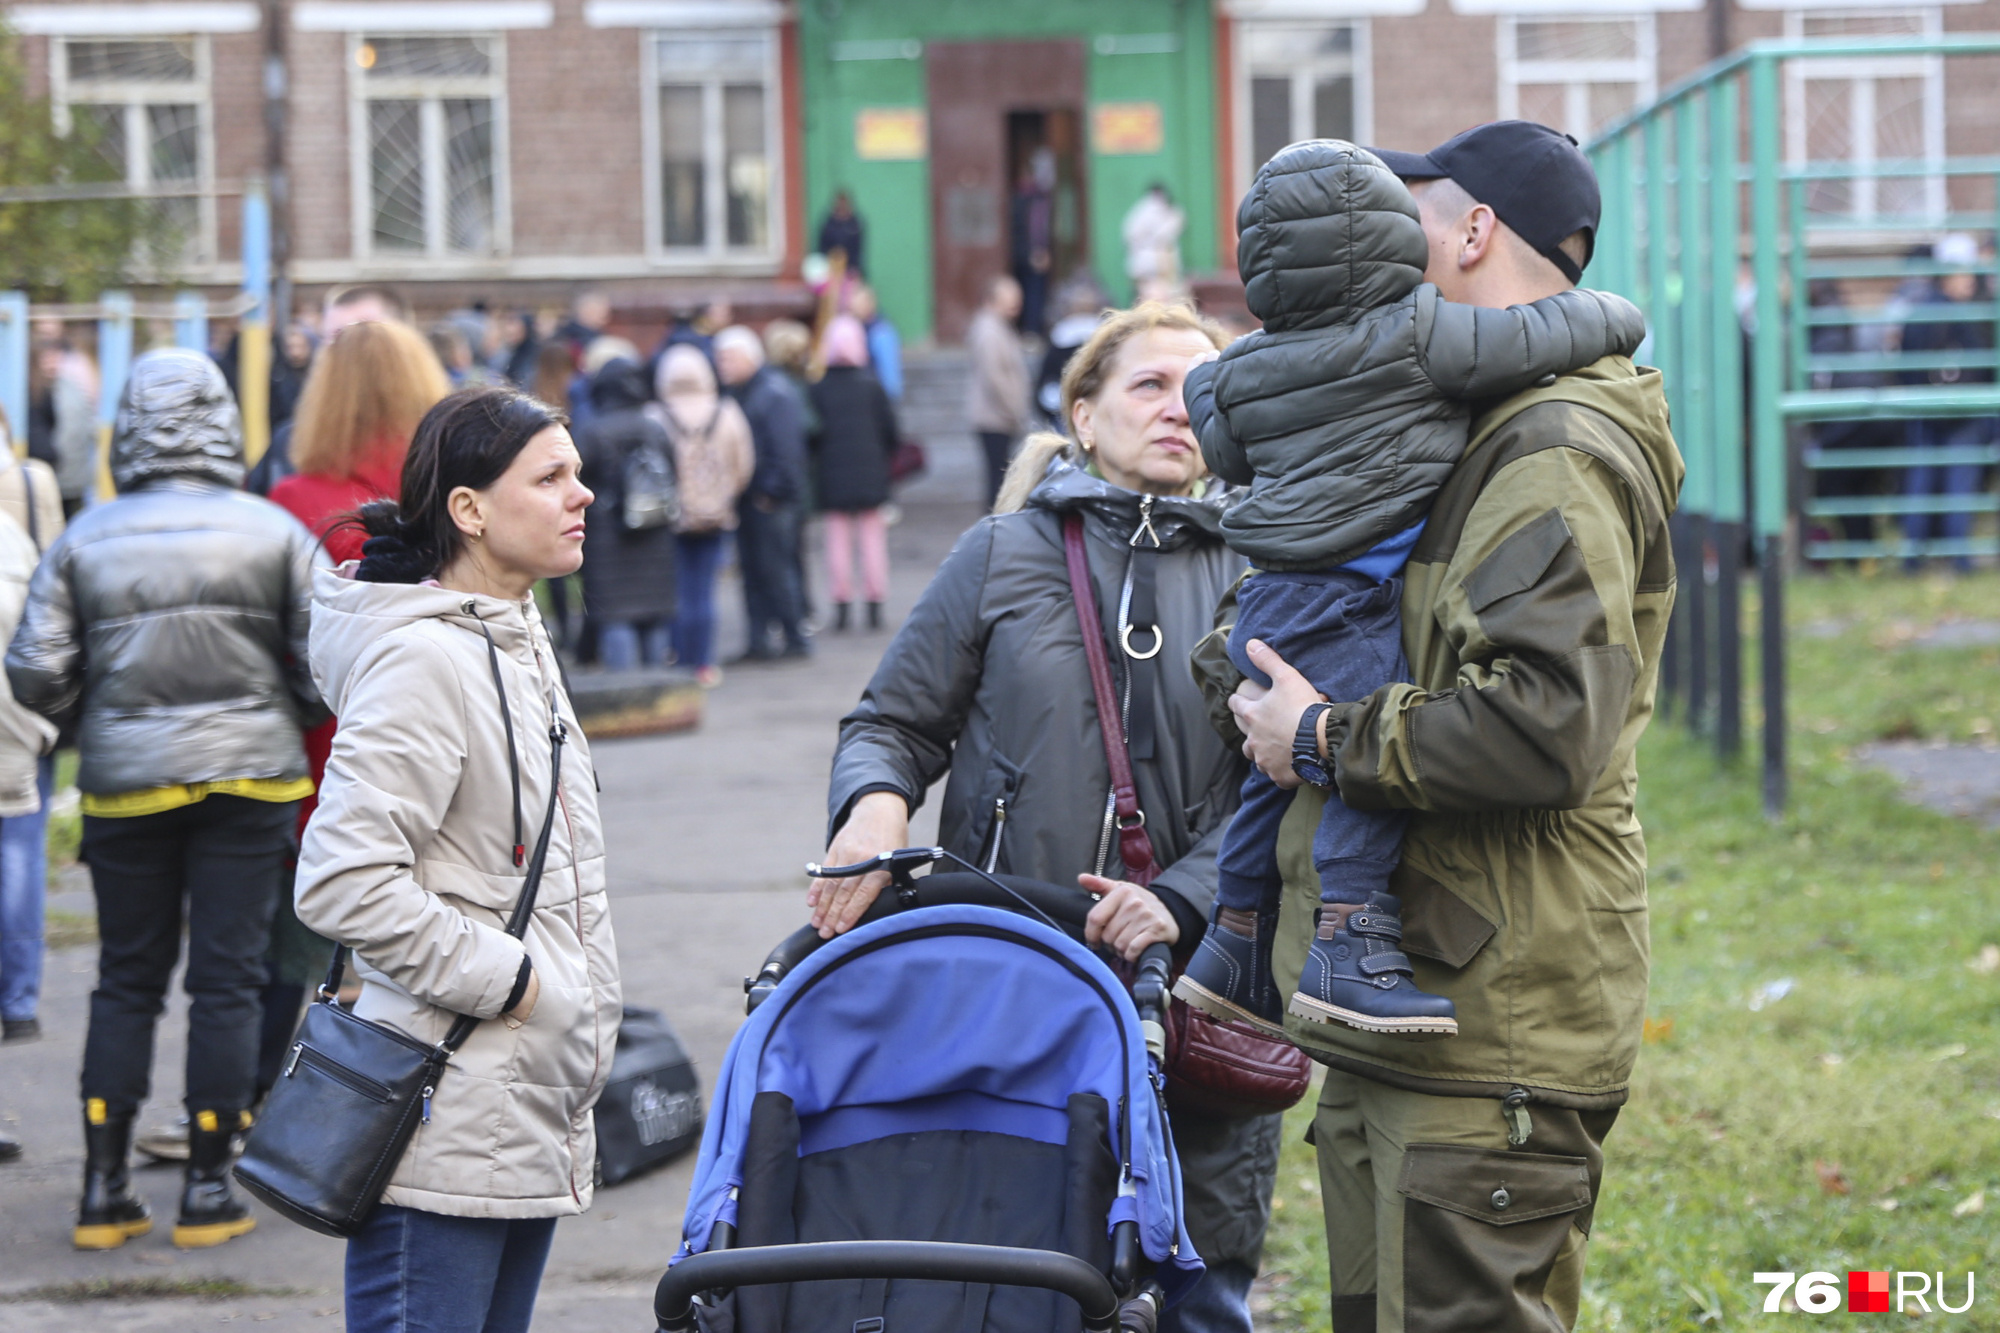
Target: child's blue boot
1357 976
1229 976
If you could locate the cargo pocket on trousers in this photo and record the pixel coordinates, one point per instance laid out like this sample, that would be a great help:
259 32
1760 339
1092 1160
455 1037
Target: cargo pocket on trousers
1482 1229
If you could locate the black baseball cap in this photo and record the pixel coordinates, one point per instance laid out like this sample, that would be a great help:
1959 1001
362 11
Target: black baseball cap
1535 179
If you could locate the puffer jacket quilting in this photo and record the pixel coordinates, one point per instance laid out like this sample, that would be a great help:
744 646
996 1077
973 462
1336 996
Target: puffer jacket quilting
408 861
1347 412
169 625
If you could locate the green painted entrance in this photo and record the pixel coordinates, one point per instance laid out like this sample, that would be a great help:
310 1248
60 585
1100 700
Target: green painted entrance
910 109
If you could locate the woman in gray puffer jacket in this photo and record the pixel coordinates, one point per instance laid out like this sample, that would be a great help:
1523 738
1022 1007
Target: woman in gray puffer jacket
988 681
168 627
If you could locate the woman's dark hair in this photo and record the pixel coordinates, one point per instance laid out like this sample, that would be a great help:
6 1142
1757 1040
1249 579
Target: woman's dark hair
468 440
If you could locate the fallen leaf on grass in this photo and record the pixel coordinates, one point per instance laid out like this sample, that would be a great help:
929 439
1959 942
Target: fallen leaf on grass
1832 1180
1658 1030
1971 1205
1987 961
1887 1205
1770 993
1951 1052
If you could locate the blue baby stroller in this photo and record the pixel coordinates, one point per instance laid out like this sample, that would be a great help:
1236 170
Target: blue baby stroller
947 1119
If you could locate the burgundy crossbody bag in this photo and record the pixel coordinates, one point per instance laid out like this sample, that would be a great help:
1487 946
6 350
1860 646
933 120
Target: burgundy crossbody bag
1214 1066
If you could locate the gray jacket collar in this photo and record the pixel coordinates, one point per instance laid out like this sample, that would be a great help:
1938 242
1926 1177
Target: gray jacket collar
1178 519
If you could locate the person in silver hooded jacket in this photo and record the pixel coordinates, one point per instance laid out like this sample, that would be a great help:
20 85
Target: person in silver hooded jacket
167 629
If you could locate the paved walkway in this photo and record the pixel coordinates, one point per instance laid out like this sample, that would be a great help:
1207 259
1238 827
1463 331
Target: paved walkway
707 833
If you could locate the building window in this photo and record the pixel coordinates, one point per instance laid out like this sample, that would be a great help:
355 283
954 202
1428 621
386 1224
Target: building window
1577 73
146 101
1865 111
1296 83
429 160
714 143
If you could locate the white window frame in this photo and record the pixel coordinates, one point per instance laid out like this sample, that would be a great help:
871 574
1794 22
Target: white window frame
135 95
1863 72
1361 63
1576 76
432 91
717 252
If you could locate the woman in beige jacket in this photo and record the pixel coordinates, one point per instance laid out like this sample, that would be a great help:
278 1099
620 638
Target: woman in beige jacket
416 856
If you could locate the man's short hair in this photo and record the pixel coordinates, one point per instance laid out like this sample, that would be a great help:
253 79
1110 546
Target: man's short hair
1454 201
387 297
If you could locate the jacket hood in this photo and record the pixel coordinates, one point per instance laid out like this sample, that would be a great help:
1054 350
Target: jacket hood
1176 518
1634 396
1327 231
619 387
176 418
348 616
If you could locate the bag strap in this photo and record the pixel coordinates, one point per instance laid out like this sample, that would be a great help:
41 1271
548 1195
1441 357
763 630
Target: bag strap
524 906
1135 848
28 499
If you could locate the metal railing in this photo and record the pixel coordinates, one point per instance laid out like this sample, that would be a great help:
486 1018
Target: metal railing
1714 233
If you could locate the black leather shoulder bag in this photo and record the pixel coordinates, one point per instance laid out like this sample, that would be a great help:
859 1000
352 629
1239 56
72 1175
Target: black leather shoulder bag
354 1092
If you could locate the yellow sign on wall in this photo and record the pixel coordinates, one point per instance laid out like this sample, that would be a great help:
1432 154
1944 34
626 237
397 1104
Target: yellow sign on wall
890 134
1127 128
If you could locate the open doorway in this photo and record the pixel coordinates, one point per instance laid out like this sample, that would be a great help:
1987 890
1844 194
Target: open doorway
994 107
1046 231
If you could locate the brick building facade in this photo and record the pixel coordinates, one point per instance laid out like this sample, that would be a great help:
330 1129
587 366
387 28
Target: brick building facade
521 150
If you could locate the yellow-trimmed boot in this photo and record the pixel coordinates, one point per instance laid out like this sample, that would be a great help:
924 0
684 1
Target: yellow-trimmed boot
210 1211
109 1214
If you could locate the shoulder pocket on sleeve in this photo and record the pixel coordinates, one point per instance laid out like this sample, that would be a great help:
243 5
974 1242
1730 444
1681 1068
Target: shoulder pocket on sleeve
1518 563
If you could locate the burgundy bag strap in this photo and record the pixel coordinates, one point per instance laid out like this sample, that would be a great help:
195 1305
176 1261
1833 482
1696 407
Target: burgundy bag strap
1135 848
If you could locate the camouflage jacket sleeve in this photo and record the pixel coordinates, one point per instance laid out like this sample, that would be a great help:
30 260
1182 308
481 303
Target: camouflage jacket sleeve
1535 606
1214 674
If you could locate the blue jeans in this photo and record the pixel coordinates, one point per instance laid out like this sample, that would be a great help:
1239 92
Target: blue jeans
1343 631
697 561
1949 479
416 1272
623 645
1220 1303
24 886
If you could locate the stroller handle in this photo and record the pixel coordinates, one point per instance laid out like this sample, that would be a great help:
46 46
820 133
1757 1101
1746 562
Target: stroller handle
1065 908
937 1261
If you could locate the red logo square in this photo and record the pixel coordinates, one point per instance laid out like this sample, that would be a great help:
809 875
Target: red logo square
1867 1293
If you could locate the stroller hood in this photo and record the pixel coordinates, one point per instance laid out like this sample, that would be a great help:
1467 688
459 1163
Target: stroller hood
949 1018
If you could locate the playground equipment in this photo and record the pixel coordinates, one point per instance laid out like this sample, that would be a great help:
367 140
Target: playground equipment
116 313
1679 177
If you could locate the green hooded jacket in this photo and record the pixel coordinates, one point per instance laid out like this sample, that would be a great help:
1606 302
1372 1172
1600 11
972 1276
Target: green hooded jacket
1534 609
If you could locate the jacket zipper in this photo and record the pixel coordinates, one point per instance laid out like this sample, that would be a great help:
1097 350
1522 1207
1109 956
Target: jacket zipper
999 830
339 1073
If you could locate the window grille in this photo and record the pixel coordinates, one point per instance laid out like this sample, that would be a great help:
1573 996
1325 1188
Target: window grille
431 165
1577 72
1298 83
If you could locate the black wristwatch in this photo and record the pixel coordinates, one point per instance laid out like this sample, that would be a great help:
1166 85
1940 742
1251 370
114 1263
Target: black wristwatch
1306 761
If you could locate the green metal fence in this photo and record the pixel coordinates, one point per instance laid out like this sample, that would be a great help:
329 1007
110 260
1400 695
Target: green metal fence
1724 241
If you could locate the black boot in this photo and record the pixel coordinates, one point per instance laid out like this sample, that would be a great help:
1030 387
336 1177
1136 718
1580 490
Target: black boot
1356 975
1229 976
874 615
210 1211
110 1214
841 611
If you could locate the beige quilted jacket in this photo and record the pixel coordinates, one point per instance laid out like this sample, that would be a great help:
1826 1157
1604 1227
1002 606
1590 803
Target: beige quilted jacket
409 860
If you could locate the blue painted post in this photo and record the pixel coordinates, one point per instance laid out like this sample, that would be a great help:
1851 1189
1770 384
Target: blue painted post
15 341
114 363
253 340
191 321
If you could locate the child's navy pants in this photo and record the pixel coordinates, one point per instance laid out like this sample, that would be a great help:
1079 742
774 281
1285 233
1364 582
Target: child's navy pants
1343 632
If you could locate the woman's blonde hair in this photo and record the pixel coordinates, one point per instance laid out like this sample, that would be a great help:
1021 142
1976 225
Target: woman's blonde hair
370 386
1083 379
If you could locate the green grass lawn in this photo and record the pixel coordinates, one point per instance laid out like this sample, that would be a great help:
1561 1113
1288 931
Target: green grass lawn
1820 1087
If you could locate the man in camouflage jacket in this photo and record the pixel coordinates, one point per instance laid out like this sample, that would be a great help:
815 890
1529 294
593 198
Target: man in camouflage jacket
1459 1176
